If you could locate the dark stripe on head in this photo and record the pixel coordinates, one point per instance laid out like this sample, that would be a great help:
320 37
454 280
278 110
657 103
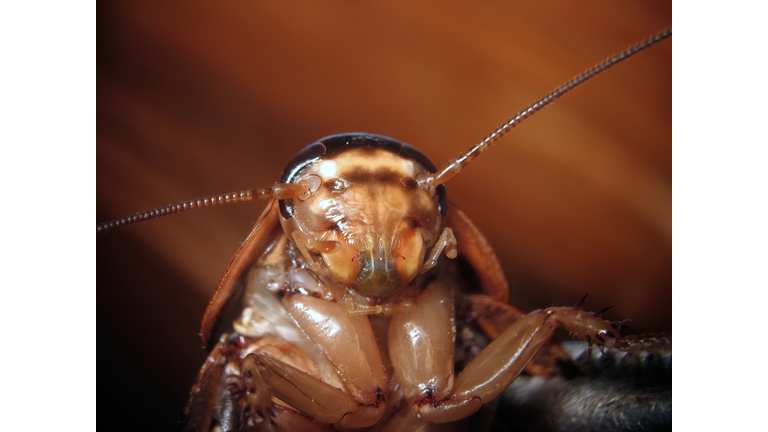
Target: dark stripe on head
336 144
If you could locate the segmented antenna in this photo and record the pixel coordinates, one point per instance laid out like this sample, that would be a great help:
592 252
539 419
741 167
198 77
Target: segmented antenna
247 195
309 186
301 190
450 169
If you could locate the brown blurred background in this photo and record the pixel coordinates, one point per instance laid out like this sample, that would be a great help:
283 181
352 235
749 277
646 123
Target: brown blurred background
196 99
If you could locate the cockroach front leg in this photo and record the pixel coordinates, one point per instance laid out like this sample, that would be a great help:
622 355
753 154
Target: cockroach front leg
356 360
504 358
267 373
309 395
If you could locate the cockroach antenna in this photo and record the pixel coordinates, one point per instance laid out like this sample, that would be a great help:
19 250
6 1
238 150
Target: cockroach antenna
309 186
300 190
453 167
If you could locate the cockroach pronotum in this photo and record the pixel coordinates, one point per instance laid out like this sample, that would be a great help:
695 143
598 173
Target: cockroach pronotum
384 288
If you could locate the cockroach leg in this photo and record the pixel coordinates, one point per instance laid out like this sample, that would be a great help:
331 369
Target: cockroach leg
261 369
505 357
304 392
364 416
247 401
446 242
493 317
357 361
257 398
286 419
198 412
422 344
407 420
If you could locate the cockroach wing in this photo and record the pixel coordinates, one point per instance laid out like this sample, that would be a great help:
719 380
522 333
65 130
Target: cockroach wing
478 252
264 234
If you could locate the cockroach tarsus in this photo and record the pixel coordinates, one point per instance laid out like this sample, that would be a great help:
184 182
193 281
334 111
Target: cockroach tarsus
350 249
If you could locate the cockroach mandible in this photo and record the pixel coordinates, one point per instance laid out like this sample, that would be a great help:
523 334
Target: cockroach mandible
350 249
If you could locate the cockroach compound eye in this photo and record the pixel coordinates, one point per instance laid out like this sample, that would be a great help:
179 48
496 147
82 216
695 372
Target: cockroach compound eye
340 312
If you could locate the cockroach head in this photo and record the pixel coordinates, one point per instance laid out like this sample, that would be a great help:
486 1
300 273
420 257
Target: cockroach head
370 223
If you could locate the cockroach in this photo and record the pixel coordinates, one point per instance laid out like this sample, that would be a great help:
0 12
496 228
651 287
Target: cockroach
350 249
